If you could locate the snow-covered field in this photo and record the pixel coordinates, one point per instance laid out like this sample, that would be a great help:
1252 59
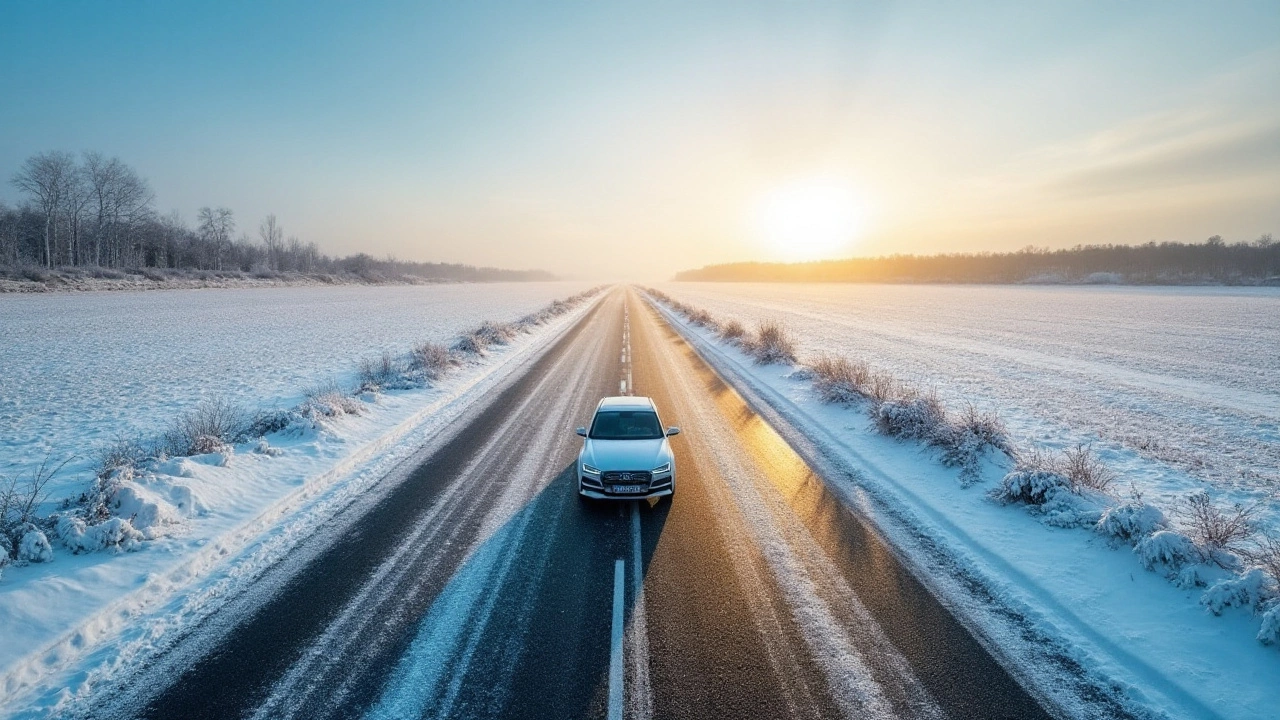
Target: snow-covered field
86 367
1061 365
1178 388
79 369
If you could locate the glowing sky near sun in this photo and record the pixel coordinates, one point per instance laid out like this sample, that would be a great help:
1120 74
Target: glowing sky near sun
634 140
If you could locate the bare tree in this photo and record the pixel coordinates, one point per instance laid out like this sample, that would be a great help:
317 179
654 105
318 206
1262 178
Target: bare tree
215 228
120 199
46 177
273 239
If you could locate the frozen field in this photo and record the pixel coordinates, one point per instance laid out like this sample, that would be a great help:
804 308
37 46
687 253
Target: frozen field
77 369
1178 386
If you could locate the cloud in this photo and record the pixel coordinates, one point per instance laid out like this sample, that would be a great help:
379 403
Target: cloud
1121 162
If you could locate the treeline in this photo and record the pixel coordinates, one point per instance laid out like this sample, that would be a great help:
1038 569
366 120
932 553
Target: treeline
97 212
1167 263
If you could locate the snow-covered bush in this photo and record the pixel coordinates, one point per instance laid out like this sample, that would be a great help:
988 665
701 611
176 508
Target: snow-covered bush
20 499
1131 520
211 424
113 533
381 372
266 422
495 333
1085 469
264 448
1269 633
982 428
732 331
1248 590
965 438
33 547
919 418
1266 554
123 451
1221 533
1168 548
471 344
772 344
882 387
328 400
839 379
702 318
432 360
1031 486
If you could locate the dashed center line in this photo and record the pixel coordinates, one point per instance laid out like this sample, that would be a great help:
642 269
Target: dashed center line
615 643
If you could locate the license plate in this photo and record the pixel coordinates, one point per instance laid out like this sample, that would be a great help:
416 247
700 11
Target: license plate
626 488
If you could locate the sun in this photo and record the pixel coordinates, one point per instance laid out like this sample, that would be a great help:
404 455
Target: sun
809 221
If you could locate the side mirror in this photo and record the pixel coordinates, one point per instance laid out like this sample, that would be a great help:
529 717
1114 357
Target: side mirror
581 431
673 431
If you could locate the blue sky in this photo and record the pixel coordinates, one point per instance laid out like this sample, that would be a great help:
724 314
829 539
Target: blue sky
633 140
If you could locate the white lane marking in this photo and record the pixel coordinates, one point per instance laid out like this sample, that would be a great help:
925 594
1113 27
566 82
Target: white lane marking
622 388
640 698
615 644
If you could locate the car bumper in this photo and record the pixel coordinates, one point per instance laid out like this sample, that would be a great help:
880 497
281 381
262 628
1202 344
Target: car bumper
594 488
597 495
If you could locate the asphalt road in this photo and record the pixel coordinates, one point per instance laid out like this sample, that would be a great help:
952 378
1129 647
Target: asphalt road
481 586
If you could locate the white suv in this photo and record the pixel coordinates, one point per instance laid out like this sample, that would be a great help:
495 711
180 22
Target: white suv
626 455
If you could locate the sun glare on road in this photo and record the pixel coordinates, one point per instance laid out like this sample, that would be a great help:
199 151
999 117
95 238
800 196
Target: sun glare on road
810 221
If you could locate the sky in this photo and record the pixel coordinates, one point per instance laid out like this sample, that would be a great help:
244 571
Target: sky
632 140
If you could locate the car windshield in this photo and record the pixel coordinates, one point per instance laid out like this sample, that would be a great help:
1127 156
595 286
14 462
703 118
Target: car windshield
626 425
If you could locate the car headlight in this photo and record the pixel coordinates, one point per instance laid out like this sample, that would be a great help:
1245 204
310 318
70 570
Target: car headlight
590 470
664 467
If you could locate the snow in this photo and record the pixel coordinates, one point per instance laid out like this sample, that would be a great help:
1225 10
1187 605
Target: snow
81 369
1177 388
185 532
1059 575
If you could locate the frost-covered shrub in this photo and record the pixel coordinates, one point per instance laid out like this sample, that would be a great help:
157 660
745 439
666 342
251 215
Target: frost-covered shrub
1073 509
732 331
123 451
471 344
267 422
966 437
1168 548
1086 470
1269 633
1189 578
839 379
113 533
772 344
1248 590
33 547
328 400
1220 532
1031 486
379 372
982 428
212 423
432 359
1131 520
494 333
882 387
921 418
264 448
701 318
1266 554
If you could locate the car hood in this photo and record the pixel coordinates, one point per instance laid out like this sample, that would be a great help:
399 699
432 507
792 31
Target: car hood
626 454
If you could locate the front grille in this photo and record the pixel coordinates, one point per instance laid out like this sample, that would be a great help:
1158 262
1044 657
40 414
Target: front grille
624 477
